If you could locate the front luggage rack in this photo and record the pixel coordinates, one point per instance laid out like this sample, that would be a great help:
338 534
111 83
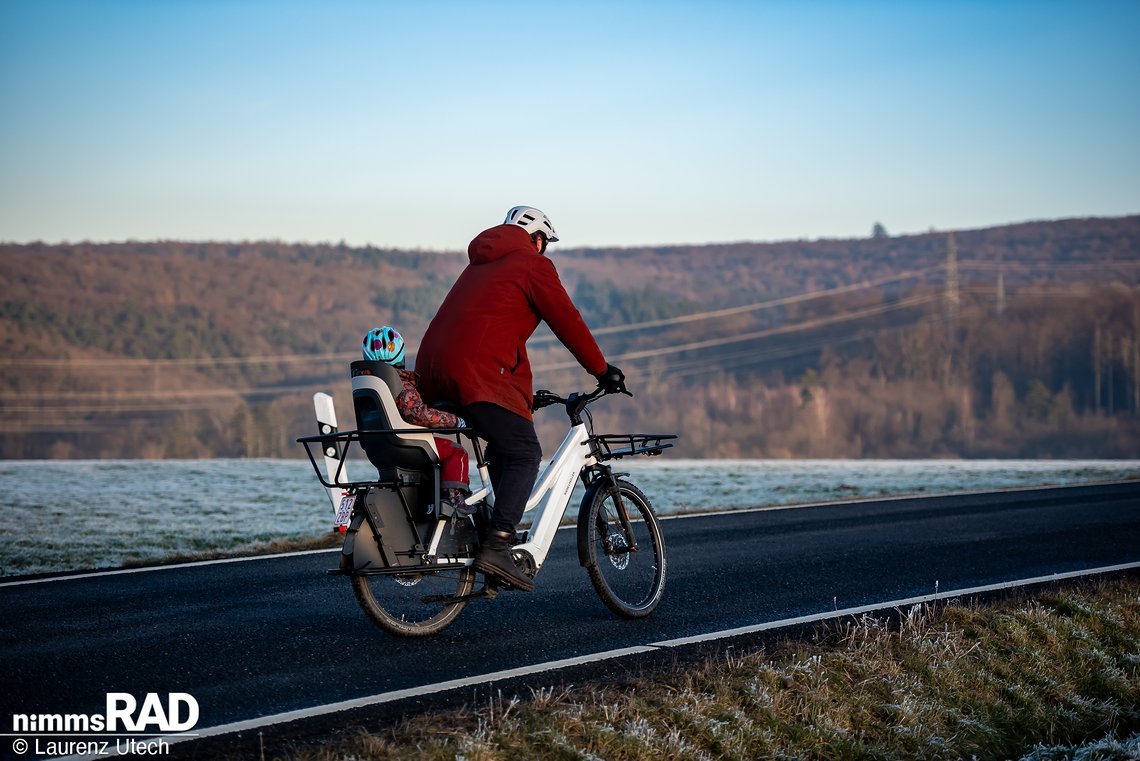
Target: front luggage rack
617 445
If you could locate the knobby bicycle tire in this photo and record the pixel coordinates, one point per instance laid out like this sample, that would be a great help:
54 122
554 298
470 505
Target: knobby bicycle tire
629 583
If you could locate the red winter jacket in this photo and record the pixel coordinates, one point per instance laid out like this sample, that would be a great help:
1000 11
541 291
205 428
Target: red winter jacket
474 350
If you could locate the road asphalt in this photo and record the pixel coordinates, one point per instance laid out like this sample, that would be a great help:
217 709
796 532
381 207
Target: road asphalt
259 637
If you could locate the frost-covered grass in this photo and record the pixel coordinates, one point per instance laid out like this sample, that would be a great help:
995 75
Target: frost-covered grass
146 511
327 541
1054 676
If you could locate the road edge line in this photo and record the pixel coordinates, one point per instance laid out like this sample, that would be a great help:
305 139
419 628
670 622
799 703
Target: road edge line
904 603
17 582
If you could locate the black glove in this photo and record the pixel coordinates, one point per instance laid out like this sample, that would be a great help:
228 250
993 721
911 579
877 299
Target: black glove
543 398
613 381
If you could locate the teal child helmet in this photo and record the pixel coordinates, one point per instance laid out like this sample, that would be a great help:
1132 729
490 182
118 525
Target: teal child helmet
384 344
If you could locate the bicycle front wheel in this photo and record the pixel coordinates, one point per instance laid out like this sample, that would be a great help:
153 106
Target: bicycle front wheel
414 604
629 578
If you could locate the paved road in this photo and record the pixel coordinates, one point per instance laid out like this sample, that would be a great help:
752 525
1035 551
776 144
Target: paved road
255 638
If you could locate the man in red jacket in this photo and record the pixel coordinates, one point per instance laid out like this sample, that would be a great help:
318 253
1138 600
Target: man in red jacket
474 354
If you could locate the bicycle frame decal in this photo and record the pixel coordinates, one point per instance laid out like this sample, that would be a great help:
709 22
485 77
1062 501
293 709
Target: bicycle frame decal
551 493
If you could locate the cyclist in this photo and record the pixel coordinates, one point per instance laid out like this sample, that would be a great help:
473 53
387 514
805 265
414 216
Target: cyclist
385 344
474 353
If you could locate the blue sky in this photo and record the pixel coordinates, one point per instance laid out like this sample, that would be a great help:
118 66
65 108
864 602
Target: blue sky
417 124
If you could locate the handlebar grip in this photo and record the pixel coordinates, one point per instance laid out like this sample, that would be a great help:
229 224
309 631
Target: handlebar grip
543 398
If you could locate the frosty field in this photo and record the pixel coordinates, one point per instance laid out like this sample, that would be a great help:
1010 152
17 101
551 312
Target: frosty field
66 515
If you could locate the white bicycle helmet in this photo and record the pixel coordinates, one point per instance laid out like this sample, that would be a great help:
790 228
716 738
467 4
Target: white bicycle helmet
532 220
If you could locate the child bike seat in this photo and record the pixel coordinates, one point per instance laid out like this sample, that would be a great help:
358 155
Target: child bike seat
375 386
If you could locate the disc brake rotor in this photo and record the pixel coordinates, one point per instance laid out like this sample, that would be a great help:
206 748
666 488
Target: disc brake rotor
618 555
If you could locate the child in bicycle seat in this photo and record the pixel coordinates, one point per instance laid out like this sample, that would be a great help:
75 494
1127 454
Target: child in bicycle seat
385 344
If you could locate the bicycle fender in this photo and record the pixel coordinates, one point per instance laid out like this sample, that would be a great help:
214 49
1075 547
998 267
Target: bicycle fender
584 522
346 550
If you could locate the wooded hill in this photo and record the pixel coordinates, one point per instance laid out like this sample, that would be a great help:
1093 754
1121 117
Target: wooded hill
1021 340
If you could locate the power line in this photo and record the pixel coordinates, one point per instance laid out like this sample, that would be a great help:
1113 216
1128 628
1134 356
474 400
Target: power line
1047 267
782 330
179 399
704 366
185 399
213 393
147 364
717 360
122 364
754 307
141 363
114 407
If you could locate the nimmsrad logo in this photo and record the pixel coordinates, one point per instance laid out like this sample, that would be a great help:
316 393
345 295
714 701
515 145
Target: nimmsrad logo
178 714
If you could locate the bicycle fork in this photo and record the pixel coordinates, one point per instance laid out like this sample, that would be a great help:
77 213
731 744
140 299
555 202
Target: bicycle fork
623 517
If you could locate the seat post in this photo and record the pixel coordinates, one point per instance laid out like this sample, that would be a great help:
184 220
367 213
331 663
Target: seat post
478 447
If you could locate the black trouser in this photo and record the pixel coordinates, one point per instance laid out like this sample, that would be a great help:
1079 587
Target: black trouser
513 454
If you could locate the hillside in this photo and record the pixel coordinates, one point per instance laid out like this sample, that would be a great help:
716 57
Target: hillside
1023 342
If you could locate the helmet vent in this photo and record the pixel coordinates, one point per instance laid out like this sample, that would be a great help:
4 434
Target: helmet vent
532 220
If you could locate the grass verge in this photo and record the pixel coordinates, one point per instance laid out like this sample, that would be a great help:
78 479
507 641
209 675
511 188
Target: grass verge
1055 675
329 540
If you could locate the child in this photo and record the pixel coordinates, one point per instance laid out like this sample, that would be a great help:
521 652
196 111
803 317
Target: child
385 344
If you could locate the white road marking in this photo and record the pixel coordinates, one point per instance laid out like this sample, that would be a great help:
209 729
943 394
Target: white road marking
153 568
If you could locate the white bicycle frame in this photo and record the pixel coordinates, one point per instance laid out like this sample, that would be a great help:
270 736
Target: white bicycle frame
550 496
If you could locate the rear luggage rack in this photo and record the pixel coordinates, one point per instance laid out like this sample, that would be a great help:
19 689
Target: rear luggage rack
321 444
610 446
327 444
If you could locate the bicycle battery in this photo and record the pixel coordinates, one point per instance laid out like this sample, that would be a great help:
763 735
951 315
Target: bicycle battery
389 536
415 489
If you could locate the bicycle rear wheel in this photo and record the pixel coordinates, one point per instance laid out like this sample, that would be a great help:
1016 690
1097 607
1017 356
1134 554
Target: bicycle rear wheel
408 605
630 582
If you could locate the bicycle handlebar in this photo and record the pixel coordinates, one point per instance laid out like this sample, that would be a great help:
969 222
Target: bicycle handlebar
575 403
545 398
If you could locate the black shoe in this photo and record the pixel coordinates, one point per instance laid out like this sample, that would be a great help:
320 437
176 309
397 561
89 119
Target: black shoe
494 559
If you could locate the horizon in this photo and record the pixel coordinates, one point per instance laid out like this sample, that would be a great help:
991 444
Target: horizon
631 124
330 243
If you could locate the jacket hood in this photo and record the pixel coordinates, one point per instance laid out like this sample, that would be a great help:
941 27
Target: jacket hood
499 241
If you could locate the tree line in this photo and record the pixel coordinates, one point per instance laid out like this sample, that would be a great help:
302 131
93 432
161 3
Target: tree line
1030 349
